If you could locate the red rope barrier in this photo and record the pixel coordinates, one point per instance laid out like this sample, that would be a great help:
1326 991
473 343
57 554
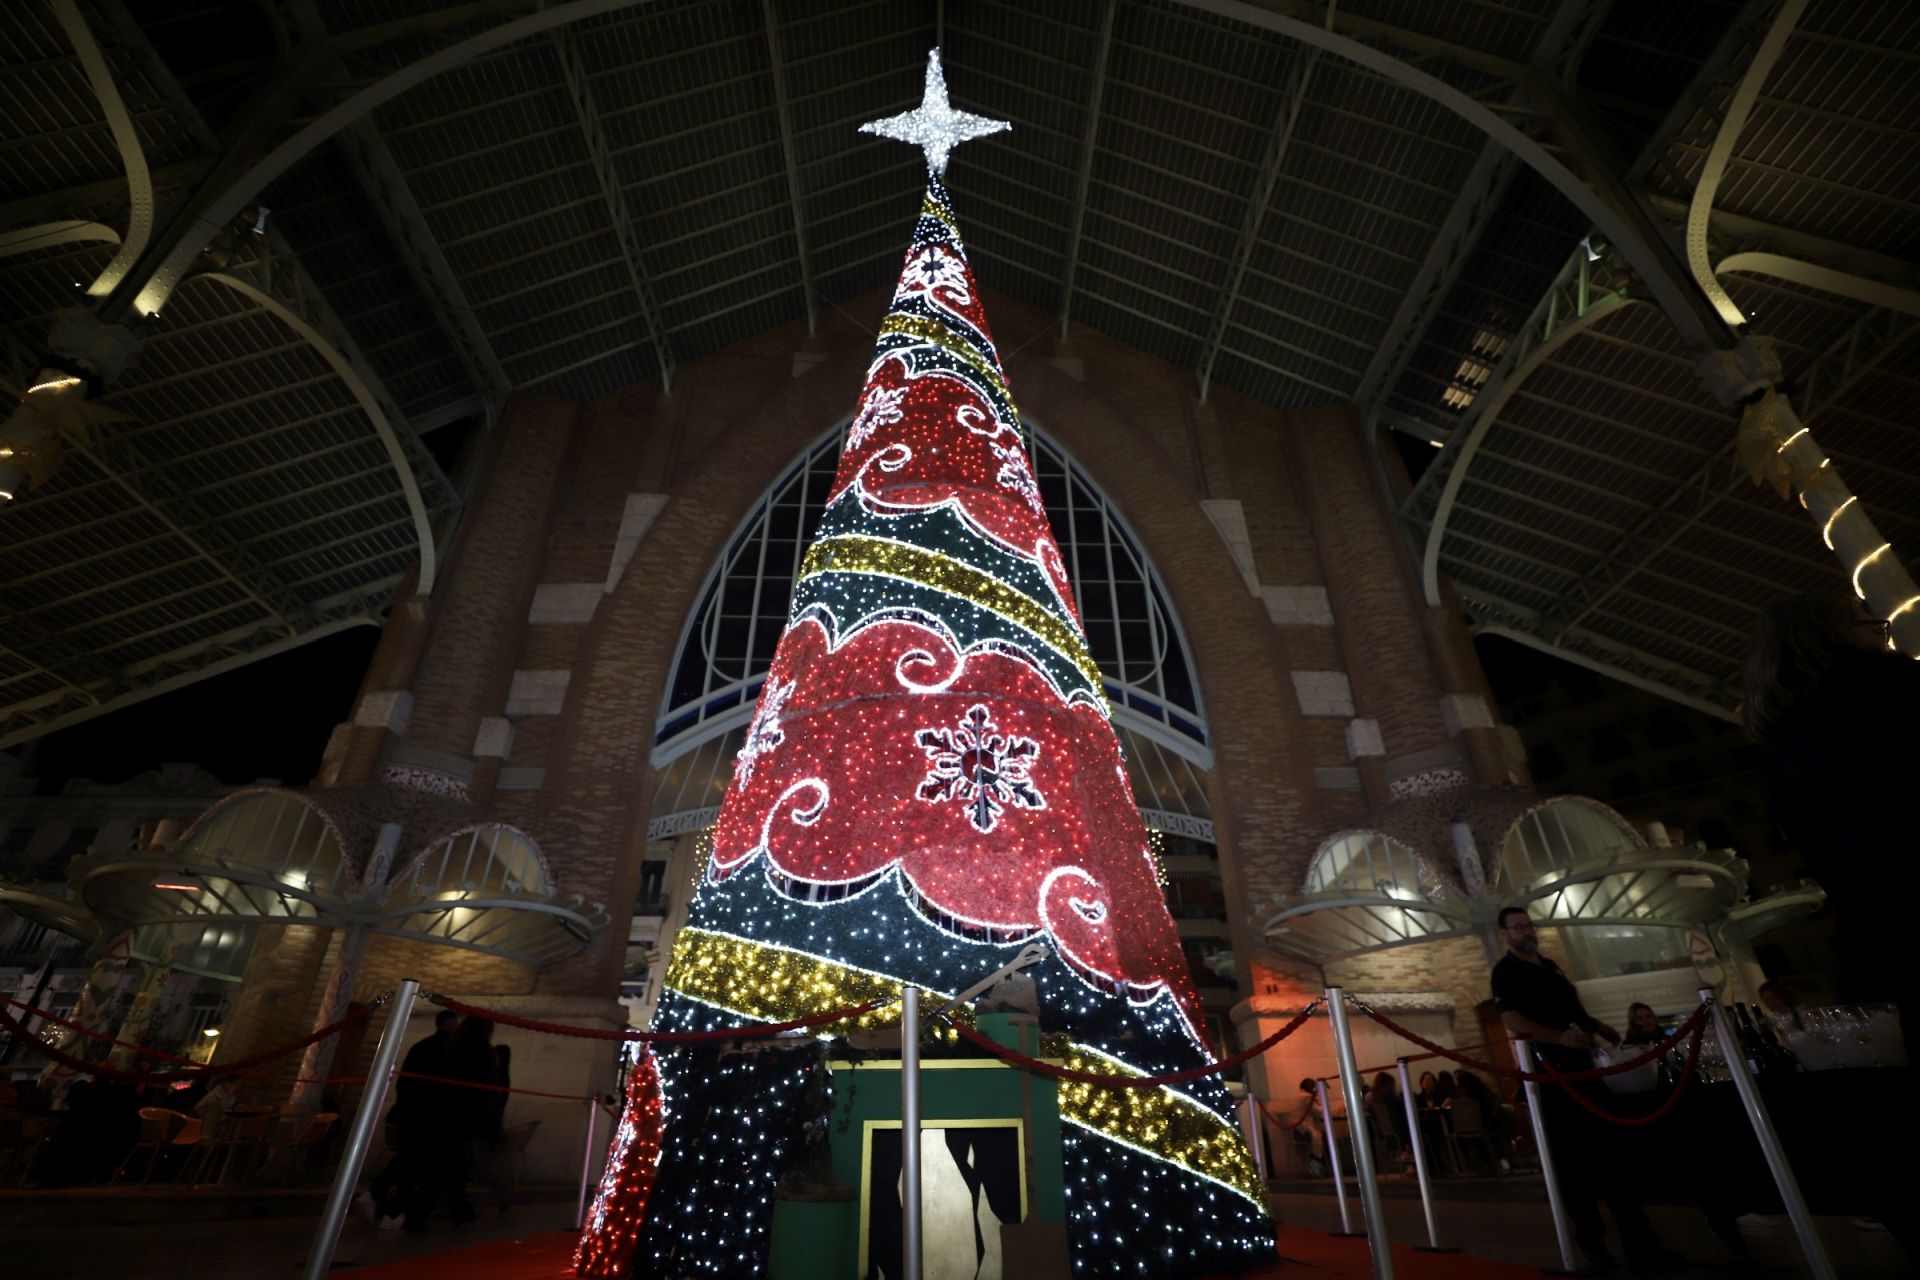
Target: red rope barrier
1017 1059
757 1030
1418 1057
1664 1109
104 1072
1295 1123
1696 1019
90 1033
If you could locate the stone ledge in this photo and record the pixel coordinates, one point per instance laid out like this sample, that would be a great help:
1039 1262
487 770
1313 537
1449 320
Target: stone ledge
538 692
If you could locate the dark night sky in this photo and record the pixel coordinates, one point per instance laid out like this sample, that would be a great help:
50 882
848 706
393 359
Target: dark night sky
269 719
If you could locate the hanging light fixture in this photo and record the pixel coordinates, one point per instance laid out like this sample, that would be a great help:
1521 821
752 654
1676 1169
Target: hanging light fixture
53 416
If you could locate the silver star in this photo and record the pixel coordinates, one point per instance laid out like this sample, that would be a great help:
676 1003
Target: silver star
934 126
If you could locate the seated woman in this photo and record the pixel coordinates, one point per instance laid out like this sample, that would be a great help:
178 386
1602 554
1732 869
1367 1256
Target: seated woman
1495 1117
1642 1026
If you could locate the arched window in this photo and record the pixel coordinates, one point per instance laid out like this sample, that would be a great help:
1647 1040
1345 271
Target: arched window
729 640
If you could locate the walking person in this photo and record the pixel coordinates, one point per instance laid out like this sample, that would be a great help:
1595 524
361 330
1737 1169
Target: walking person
487 1147
387 1196
1539 1004
455 1115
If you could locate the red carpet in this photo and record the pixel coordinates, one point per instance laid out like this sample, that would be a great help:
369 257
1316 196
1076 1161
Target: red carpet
1305 1255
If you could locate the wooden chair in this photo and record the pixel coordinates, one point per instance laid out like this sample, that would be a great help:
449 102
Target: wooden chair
157 1128
21 1151
241 1138
1470 1129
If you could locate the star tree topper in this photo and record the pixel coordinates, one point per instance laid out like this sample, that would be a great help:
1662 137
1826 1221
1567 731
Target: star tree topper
934 126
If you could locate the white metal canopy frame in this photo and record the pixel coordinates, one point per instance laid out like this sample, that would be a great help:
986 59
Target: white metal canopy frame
273 856
1570 860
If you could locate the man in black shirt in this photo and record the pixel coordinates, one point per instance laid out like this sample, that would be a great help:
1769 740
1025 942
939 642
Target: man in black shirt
1539 1004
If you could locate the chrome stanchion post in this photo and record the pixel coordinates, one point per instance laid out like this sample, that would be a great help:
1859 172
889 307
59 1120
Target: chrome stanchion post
1378 1248
586 1165
1333 1161
386 1061
1419 1142
1250 1129
1763 1131
1523 1054
910 1240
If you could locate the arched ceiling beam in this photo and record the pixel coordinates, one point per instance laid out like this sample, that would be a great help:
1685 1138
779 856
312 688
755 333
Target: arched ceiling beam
393 201
1619 224
1560 48
1868 342
49 206
1714 168
1736 233
302 310
1585 291
172 255
1843 283
50 235
125 137
783 109
1084 180
1293 96
1612 658
600 154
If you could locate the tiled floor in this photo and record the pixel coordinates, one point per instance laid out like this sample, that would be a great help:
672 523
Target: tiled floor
1521 1232
260 1249
276 1248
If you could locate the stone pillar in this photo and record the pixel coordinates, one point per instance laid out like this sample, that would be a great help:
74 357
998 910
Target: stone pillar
133 1028
1380 622
318 1057
93 1010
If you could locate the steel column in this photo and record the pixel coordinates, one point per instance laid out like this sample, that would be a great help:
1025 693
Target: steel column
386 1062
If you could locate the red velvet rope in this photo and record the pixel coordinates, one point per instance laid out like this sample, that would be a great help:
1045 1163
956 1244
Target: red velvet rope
91 1034
1664 1109
757 1030
1364 1072
1294 1123
104 1072
1697 1019
1017 1059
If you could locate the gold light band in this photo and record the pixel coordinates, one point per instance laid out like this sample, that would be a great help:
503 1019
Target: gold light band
854 554
772 984
1159 1122
931 208
940 336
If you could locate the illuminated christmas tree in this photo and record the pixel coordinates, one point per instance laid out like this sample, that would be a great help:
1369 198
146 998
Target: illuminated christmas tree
931 780
620 1206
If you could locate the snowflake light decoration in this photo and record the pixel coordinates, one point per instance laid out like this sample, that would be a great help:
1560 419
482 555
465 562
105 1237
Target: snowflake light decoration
976 764
934 126
765 733
881 409
931 269
1014 474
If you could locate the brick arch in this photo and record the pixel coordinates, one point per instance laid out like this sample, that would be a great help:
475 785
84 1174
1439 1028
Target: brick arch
744 417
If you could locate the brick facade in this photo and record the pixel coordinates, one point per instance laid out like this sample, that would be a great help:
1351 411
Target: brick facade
1267 527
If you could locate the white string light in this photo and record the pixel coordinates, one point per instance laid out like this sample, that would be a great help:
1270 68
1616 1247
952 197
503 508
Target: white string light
1866 560
1827 532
